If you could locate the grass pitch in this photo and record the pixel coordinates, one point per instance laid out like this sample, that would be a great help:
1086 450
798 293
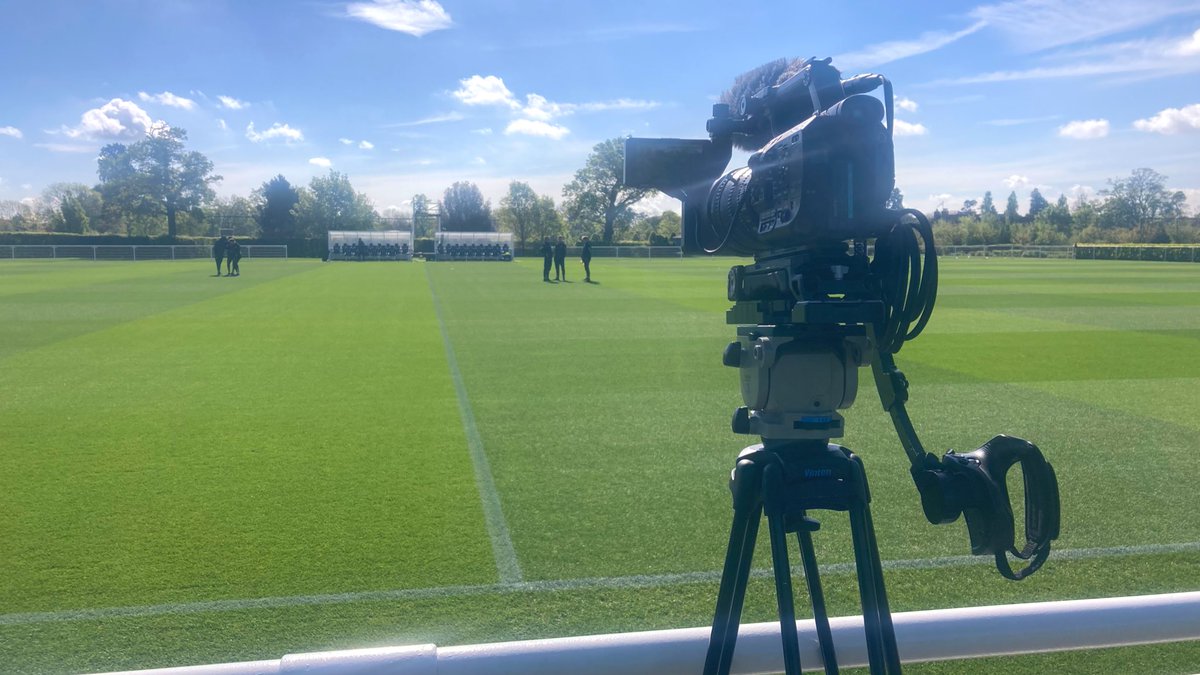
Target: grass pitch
319 456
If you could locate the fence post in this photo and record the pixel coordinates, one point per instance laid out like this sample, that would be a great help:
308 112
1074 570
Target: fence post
54 253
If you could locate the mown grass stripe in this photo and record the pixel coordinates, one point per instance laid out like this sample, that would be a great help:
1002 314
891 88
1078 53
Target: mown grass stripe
597 583
507 565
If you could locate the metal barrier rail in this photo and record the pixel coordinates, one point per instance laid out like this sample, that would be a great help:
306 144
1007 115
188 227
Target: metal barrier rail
934 635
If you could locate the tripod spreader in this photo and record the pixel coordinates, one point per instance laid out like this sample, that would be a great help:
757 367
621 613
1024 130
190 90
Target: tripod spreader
785 480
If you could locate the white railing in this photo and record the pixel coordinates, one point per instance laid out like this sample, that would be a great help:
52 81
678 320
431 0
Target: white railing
1008 251
935 635
130 252
629 251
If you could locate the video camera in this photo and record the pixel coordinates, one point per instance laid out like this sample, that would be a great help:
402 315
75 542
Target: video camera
822 168
839 281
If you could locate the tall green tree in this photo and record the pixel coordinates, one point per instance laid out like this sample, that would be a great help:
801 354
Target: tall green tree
518 211
598 196
71 207
155 176
895 200
277 200
1010 210
464 209
1139 200
331 203
426 214
1037 203
988 207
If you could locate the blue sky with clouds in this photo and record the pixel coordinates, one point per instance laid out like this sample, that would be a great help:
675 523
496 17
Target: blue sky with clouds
408 96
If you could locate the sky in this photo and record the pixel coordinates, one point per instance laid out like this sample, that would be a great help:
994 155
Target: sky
410 96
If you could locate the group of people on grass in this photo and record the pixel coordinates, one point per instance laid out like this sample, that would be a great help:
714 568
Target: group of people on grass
230 251
556 254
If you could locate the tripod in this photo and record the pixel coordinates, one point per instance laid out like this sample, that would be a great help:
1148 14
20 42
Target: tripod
805 325
786 482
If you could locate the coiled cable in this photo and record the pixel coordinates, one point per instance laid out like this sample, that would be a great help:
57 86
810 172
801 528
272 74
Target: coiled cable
907 278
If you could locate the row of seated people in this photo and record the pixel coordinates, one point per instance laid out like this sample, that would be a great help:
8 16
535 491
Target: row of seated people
364 251
473 251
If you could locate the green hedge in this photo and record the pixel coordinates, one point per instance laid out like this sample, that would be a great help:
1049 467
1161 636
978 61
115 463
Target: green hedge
297 248
1157 252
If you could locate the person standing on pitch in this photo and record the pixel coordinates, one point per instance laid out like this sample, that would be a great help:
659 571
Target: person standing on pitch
547 257
586 257
234 254
560 259
218 252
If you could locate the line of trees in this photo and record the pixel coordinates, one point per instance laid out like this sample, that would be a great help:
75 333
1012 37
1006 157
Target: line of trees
1135 209
155 186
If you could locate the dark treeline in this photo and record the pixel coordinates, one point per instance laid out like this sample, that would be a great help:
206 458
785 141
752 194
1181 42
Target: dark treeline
156 188
1135 209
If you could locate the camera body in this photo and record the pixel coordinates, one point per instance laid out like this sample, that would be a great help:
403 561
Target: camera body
824 173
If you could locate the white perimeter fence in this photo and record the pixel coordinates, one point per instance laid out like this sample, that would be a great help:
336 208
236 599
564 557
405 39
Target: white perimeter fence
130 252
935 635
1008 251
629 251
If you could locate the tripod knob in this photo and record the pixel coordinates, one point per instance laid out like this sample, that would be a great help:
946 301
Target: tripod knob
733 355
741 420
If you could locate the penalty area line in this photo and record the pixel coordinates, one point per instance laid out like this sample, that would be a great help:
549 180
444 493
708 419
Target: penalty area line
595 583
507 566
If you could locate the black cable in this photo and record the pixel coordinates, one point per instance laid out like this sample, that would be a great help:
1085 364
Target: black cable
907 278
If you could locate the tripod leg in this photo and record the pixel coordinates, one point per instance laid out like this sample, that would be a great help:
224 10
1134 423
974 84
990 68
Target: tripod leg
891 651
784 596
808 556
747 512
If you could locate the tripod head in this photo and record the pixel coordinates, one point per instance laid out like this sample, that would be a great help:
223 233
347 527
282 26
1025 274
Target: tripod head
808 318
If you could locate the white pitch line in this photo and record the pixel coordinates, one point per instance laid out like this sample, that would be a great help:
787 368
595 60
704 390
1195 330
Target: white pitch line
595 583
507 565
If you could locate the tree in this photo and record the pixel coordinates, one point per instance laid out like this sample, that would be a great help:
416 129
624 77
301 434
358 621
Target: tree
155 176
1139 200
895 201
425 216
1010 210
277 200
240 214
598 196
968 207
988 207
1037 204
330 203
464 210
518 211
70 207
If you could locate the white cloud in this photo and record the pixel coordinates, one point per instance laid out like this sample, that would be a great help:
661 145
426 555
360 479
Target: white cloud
231 103
1190 46
277 130
479 161
490 90
486 131
67 147
538 108
221 125
1016 180
618 104
536 128
321 161
1084 129
906 104
11 131
1172 120
909 129
345 141
168 99
415 17
366 145
1043 24
116 120
453 116
887 52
